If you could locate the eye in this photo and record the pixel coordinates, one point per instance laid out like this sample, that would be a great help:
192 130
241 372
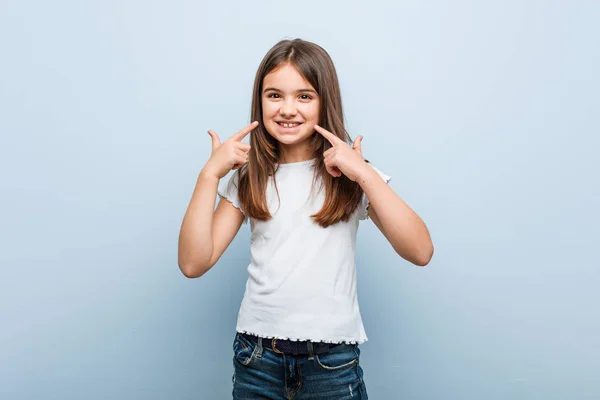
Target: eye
273 95
305 97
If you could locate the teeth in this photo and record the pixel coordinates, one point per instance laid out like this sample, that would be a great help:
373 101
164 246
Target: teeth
286 125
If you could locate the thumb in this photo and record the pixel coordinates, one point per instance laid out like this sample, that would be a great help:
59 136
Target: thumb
216 142
356 146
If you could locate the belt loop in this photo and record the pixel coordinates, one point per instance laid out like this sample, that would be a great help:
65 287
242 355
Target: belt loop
259 348
311 353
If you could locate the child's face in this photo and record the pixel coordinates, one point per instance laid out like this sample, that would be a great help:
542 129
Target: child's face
287 98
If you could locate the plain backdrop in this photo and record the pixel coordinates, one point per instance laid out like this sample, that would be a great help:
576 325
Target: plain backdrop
485 114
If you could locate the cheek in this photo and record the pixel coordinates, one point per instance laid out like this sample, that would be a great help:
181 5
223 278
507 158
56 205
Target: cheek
313 112
269 109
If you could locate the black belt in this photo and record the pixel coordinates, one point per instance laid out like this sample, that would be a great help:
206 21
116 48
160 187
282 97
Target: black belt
292 347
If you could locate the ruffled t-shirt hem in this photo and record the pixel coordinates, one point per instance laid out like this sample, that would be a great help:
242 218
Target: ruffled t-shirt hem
233 202
298 339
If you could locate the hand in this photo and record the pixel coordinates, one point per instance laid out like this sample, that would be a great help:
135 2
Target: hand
341 158
229 155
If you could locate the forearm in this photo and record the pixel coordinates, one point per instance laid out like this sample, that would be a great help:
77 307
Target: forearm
195 238
403 228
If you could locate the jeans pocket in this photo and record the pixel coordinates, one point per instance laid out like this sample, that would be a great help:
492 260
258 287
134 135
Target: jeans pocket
243 349
343 356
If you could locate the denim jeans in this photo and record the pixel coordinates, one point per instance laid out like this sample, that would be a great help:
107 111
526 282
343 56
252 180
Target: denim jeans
260 373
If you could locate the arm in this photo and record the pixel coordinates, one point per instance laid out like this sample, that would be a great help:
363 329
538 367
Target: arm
206 232
401 226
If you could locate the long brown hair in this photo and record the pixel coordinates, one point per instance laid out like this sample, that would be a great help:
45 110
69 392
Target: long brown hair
342 195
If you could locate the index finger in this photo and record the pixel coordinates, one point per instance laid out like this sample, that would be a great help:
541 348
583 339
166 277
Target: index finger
328 135
244 132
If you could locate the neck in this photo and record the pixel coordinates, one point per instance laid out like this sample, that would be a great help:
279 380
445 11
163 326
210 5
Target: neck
291 154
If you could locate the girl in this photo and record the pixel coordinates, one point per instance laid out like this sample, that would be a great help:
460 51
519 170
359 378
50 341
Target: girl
303 188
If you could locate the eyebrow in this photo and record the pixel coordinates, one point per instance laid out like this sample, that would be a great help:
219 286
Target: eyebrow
297 91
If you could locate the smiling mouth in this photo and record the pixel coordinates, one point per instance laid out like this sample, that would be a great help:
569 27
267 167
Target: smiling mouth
289 124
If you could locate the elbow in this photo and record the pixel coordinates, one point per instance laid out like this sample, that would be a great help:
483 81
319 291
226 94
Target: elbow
422 262
190 270
424 256
192 266
419 256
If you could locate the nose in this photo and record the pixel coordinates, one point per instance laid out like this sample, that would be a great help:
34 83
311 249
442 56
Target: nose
288 109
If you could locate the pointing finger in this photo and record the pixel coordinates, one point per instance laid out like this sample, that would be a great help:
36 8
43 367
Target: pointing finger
328 135
244 132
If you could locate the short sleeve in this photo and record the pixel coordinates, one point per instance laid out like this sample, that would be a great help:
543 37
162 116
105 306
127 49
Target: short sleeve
364 204
228 190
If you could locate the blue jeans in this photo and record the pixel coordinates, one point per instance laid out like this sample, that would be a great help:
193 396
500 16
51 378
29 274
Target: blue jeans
260 373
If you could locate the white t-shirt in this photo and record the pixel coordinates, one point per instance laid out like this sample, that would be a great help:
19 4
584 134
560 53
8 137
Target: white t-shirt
302 277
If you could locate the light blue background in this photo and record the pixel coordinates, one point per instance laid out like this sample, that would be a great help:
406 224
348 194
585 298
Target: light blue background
485 114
